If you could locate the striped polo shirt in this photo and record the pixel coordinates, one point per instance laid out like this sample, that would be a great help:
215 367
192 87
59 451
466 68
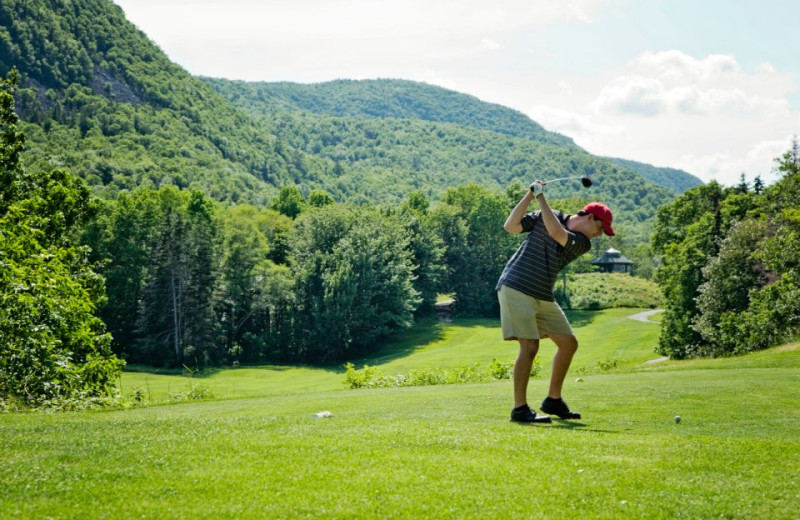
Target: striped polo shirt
534 268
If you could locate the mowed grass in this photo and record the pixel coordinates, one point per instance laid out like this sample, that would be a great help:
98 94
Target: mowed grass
433 452
604 336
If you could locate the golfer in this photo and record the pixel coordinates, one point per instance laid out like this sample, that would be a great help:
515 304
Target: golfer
528 311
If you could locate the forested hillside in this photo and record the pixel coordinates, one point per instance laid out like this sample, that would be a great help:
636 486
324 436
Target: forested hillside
677 180
98 97
399 99
394 99
432 143
103 100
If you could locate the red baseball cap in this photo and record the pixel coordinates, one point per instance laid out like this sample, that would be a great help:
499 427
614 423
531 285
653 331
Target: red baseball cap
601 213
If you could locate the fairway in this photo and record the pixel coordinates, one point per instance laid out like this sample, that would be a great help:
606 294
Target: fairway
431 452
605 336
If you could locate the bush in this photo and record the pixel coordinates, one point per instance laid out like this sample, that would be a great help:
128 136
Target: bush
193 393
372 377
500 370
601 366
596 291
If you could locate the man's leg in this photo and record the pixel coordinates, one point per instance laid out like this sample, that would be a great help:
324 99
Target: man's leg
567 346
522 369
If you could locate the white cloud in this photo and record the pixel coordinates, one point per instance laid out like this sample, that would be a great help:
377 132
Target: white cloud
674 82
692 100
708 116
676 66
632 95
585 130
318 40
766 68
348 19
490 44
726 167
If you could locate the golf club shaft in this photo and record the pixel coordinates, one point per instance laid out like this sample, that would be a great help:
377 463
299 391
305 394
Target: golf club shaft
562 179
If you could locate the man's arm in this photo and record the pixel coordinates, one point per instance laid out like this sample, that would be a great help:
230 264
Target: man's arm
513 223
551 222
553 226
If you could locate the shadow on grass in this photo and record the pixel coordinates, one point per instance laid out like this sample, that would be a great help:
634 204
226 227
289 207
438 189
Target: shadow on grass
192 373
579 318
424 332
567 425
578 426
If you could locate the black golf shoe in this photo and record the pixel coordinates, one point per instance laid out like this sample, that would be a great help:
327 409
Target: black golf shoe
558 408
524 414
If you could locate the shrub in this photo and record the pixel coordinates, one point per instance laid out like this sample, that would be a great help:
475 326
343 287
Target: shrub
193 393
596 291
372 377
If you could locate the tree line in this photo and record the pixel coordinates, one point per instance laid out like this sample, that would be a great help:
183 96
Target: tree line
731 269
192 281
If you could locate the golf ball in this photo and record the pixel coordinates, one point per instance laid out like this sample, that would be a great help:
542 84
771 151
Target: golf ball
677 418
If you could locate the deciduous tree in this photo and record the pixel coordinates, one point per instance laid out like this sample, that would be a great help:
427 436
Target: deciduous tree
53 347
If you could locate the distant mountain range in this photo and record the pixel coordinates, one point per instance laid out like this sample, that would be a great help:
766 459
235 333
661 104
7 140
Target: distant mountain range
98 97
672 178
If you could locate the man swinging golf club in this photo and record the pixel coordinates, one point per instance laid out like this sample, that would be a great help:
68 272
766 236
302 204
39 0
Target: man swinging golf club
528 311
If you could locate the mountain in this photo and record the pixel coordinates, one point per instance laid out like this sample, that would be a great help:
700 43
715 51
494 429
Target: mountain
103 100
398 99
419 139
390 99
672 178
98 97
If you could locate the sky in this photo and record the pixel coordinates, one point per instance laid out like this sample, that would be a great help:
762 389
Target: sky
711 87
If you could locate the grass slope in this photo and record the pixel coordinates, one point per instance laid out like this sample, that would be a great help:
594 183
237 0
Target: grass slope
433 452
606 336
611 290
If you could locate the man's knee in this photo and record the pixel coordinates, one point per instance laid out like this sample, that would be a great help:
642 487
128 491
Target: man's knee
529 346
567 343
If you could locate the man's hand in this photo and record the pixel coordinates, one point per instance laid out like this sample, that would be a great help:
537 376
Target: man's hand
537 187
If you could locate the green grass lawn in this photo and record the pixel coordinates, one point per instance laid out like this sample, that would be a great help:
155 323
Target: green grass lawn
430 452
604 336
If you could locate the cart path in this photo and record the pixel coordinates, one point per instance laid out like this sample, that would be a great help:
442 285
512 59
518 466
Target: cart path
643 316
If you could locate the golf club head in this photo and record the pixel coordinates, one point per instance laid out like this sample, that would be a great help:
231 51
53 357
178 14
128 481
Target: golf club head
585 180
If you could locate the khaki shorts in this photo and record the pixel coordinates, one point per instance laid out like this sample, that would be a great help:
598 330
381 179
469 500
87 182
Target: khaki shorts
526 317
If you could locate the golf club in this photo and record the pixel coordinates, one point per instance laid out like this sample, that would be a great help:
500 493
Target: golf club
586 181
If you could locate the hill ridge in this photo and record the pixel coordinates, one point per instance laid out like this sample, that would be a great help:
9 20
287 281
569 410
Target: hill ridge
105 102
398 99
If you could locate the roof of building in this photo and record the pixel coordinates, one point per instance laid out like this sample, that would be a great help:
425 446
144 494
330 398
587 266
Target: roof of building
612 256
